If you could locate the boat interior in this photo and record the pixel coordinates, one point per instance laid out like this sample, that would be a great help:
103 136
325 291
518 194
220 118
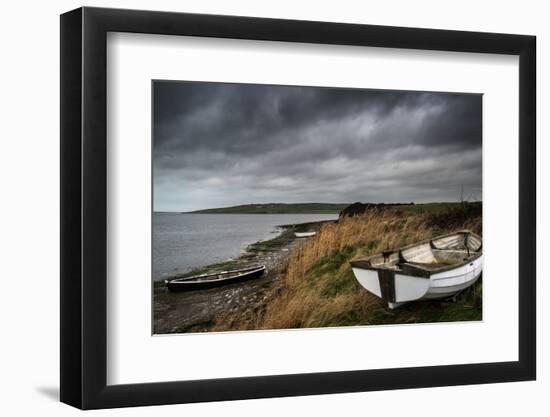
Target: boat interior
434 254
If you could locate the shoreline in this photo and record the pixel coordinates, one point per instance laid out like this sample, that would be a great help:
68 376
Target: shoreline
251 250
196 311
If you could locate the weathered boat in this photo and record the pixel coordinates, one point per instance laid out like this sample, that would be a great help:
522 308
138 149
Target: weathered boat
216 279
434 268
305 234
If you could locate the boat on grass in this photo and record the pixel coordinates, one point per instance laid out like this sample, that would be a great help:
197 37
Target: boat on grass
435 268
215 279
305 234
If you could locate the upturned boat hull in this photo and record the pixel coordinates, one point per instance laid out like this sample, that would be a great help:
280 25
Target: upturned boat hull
416 272
305 234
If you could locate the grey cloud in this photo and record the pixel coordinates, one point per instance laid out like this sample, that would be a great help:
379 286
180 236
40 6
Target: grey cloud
220 144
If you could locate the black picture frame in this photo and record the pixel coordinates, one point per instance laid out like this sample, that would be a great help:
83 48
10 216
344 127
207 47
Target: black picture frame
84 207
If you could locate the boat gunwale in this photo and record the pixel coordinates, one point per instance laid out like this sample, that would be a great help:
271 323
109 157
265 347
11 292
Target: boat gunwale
194 278
416 270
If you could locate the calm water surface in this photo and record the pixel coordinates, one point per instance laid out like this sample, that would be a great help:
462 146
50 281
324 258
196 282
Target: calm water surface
182 242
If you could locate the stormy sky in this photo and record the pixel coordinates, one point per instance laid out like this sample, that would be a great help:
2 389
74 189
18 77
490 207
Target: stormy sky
221 144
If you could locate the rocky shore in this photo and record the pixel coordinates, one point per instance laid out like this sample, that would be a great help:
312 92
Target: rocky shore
199 311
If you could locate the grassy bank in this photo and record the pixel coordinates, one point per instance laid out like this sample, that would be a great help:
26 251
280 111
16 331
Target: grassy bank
320 290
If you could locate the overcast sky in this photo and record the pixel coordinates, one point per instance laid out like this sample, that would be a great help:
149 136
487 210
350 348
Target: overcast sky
219 144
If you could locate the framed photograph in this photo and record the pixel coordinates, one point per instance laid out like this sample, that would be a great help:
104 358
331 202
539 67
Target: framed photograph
257 208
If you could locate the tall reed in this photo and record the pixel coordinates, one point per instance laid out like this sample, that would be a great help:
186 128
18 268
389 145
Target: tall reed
319 288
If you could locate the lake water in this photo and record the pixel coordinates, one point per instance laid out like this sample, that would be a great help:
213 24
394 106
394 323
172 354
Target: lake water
182 242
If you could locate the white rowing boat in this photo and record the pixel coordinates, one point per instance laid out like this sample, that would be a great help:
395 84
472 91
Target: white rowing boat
305 234
435 268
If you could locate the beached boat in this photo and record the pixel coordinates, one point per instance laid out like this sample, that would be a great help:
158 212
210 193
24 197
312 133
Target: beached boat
216 279
305 234
434 268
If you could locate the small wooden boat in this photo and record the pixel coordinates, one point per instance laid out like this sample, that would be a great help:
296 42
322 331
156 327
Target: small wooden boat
216 279
435 268
305 234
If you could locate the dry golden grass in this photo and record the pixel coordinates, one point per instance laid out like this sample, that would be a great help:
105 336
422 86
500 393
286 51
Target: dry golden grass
320 290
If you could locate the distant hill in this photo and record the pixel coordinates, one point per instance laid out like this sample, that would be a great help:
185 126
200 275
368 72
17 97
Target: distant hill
278 208
331 208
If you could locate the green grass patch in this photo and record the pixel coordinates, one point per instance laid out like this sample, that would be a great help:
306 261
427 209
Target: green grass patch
272 244
438 208
465 307
429 207
339 283
333 262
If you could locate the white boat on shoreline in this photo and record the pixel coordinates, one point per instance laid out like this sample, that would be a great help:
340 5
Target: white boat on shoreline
305 234
434 268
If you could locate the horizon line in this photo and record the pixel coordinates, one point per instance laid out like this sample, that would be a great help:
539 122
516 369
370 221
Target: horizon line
312 202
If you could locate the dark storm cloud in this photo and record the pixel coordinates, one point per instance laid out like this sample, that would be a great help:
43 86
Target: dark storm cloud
220 144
